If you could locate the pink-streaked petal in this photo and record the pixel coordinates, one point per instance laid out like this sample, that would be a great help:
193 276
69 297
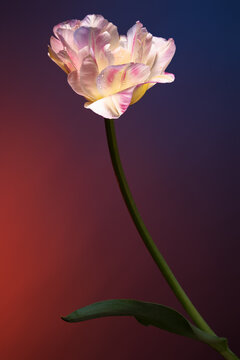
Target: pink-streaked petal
83 82
69 24
56 44
67 39
113 106
116 78
66 36
132 36
139 42
164 51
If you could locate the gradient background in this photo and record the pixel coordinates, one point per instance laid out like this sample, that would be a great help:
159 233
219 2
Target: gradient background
66 237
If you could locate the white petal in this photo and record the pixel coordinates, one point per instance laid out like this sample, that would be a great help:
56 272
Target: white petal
94 21
163 78
116 78
113 106
114 36
164 51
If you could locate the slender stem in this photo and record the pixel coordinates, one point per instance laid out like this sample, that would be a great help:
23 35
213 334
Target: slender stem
143 232
229 355
149 243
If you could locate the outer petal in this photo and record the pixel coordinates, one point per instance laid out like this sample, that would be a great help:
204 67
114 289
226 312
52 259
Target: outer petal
139 42
83 82
163 78
141 89
139 92
164 51
69 25
56 44
58 61
94 21
116 78
113 106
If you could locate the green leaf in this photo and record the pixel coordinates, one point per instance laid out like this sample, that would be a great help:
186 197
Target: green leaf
147 313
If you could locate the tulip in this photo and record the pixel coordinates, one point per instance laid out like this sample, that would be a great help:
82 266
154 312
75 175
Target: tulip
110 71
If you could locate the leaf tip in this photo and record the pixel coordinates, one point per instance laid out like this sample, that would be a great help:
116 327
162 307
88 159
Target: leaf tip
65 318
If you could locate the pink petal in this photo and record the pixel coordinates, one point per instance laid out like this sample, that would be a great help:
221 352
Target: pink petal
83 82
113 106
56 44
81 37
116 78
69 24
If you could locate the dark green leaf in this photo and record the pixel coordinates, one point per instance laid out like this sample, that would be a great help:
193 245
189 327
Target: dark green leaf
147 313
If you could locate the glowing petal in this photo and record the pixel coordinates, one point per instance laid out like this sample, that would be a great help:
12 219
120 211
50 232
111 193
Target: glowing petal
94 21
139 42
68 25
83 82
101 50
81 37
163 78
164 51
139 92
56 59
113 106
116 78
56 44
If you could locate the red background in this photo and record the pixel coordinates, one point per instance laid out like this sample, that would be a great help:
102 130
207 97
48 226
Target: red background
66 237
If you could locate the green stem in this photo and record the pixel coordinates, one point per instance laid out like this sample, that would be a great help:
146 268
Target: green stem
149 243
229 355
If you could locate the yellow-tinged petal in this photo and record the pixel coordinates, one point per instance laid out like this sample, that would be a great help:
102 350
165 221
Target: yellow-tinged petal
139 92
55 58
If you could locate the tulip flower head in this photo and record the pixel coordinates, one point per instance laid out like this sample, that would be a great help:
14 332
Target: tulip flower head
110 71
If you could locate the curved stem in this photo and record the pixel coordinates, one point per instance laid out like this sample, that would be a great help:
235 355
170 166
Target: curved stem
149 243
143 232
